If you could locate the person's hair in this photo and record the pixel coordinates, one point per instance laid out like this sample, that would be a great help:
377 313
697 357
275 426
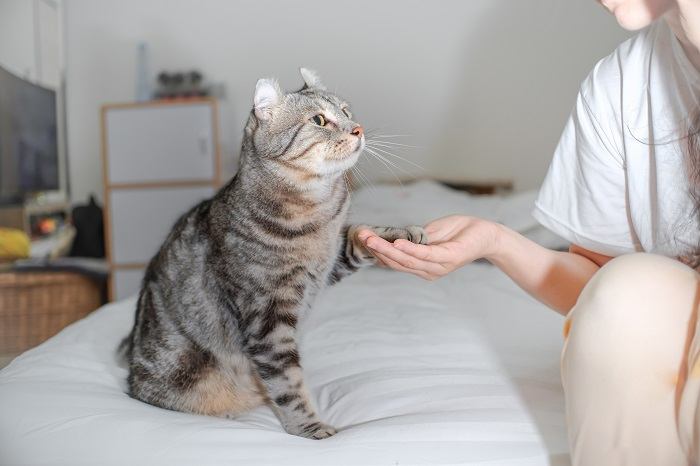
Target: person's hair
692 153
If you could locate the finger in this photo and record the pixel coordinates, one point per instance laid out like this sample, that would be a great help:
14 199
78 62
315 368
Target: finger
365 233
389 251
432 253
396 266
377 243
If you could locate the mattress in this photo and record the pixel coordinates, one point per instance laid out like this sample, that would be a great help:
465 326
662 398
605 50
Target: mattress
461 371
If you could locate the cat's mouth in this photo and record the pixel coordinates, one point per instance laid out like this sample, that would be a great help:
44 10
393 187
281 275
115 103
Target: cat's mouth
355 154
347 160
359 146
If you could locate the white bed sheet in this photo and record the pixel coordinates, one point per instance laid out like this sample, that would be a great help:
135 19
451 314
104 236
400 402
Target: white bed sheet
460 371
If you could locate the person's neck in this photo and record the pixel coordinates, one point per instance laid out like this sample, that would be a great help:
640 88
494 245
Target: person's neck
684 21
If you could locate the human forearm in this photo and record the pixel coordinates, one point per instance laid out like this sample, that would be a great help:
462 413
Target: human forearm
555 278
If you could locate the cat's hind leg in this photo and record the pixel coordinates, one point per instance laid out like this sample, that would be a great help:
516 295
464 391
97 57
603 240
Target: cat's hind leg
193 380
228 390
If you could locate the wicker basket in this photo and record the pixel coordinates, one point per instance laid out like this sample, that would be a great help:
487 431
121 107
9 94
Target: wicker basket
36 305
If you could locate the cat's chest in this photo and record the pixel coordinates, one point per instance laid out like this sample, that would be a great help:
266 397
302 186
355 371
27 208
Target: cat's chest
325 248
322 251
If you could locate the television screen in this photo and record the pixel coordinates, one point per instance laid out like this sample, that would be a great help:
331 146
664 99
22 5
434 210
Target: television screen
28 138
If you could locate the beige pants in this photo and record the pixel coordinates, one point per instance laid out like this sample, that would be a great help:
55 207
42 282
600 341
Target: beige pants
631 365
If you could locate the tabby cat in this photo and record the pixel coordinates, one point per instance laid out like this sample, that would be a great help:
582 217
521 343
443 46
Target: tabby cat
215 321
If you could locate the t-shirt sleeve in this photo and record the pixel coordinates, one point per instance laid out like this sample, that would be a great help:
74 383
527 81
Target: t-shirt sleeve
583 197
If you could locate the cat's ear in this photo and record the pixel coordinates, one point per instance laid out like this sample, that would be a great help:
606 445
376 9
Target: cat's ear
311 79
267 95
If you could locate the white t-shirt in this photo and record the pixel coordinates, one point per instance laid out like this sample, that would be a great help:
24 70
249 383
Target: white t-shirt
617 183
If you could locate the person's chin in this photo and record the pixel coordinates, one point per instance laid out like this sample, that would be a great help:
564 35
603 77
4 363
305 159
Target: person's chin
632 20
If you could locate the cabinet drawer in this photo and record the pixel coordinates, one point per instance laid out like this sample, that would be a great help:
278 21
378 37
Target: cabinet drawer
141 218
160 143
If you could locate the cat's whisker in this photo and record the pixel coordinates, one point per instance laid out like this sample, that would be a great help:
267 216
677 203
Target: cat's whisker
387 146
391 143
361 177
357 181
345 180
389 135
375 133
389 164
386 152
369 180
389 169
384 159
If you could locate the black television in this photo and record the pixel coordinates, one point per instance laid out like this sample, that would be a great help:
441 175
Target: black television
28 139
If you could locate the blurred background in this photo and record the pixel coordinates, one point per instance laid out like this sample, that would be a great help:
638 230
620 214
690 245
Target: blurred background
103 103
483 86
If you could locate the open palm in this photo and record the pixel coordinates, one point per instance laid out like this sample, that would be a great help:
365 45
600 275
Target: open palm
452 242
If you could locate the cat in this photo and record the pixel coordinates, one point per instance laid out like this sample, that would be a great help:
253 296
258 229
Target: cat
214 331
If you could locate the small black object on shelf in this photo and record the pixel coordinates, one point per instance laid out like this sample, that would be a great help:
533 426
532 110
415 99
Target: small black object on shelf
173 85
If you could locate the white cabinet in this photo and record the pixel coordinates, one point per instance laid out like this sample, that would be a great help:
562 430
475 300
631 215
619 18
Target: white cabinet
143 147
152 210
160 159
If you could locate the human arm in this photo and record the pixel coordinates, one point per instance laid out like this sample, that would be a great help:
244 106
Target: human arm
556 278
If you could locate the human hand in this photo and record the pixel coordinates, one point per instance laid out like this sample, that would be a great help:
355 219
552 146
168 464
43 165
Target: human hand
452 242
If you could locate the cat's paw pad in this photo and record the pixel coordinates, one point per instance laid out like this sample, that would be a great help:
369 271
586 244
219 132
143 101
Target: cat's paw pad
416 234
318 431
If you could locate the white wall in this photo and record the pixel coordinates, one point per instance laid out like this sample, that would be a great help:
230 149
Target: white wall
482 86
30 40
17 34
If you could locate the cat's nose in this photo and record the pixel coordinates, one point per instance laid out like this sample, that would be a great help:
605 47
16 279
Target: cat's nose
358 131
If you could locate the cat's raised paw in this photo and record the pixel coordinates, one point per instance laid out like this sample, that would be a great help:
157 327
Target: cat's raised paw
417 234
414 233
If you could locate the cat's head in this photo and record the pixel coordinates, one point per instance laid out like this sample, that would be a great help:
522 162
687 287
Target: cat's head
305 134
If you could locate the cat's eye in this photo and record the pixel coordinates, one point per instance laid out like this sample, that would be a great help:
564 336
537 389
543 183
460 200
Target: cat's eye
347 113
319 119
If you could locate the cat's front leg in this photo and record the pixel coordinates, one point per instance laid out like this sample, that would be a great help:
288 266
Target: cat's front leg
354 255
273 350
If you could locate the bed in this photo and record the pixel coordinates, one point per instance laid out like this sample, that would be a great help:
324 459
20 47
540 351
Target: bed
462 371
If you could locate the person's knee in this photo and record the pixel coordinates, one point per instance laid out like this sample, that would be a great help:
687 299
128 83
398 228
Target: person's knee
629 283
633 300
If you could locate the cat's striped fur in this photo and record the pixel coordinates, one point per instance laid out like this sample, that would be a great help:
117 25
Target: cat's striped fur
216 317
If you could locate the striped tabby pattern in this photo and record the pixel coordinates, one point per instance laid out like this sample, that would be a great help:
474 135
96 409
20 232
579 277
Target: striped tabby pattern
215 322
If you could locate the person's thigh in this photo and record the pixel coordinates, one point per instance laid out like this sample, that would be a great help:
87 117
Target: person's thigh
688 404
622 361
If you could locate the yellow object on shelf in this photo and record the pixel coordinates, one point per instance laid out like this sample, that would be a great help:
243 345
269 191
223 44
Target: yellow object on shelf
14 244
